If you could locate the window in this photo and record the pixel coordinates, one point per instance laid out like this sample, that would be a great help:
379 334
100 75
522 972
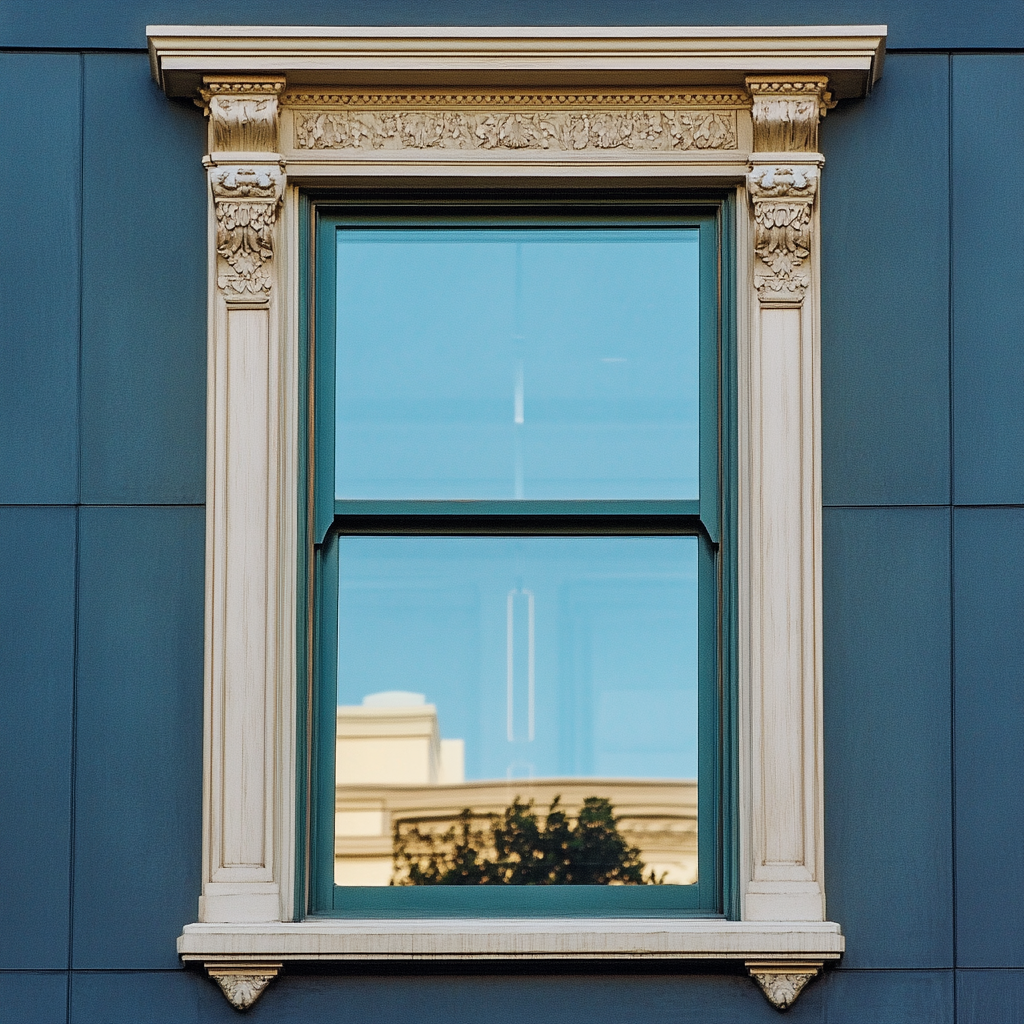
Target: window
518 557
734 110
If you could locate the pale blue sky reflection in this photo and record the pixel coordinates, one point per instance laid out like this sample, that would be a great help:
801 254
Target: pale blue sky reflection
517 363
548 656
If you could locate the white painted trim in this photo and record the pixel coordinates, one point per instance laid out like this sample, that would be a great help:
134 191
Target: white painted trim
402 169
288 327
256 167
513 938
744 320
850 54
782 871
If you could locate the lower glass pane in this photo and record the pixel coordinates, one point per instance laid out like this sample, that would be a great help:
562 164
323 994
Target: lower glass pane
516 710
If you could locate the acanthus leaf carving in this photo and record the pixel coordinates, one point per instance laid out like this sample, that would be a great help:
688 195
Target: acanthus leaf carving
556 130
242 984
781 982
786 112
246 202
243 114
782 198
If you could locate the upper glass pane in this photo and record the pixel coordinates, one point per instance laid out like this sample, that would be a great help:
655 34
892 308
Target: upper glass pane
517 362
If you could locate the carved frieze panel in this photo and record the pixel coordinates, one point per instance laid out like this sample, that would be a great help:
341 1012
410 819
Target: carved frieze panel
246 202
675 122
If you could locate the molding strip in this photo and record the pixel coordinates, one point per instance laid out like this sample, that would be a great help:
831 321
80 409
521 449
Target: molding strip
851 55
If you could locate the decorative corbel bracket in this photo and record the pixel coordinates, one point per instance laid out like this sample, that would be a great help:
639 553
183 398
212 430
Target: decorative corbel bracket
242 983
246 202
247 180
782 197
786 110
243 114
783 981
783 181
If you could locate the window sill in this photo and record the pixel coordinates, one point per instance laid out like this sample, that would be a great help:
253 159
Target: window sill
513 938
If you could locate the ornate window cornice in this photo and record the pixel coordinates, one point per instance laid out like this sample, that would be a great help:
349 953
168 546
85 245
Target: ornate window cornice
850 55
736 108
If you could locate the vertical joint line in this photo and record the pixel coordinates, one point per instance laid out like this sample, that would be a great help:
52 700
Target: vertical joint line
952 550
73 779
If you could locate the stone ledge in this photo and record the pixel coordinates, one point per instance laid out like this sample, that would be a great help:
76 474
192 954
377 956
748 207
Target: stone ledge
513 938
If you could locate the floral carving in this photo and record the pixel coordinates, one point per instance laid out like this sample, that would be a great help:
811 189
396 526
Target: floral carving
246 202
782 198
782 983
242 984
557 130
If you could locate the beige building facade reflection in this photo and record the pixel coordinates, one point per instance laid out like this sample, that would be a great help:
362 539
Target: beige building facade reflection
392 766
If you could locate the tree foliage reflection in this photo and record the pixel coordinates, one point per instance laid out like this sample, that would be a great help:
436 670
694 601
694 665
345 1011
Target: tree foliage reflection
516 848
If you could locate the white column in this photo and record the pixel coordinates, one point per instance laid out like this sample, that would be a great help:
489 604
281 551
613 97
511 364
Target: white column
249 608
780 513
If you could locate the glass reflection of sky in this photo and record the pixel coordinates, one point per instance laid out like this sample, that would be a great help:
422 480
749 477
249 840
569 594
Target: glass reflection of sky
614 647
517 363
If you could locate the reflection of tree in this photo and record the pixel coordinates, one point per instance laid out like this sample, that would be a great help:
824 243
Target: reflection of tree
514 848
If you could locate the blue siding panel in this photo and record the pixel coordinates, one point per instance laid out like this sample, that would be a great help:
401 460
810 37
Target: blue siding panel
169 997
990 997
891 997
989 613
139 735
616 998
887 705
40 160
33 998
144 290
37 659
988 315
885 291
937 24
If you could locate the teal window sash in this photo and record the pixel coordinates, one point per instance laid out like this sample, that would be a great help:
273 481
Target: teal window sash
324 520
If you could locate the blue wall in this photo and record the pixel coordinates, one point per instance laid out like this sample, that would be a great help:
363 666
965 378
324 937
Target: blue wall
102 449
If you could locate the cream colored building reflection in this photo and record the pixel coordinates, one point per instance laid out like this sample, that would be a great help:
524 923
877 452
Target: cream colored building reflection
392 766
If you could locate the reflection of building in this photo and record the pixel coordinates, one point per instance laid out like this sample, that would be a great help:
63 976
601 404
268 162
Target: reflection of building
393 766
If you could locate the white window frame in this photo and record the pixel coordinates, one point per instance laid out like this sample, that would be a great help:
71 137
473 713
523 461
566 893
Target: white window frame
263 88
